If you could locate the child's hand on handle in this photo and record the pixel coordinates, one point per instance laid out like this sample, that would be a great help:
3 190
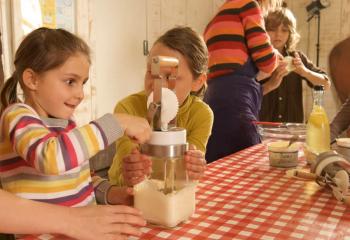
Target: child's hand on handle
135 167
136 128
104 222
195 163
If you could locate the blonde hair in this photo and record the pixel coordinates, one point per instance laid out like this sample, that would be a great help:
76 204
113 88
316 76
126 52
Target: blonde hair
284 16
269 5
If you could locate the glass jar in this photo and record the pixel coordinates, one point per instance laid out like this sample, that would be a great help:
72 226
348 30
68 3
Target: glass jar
167 196
317 130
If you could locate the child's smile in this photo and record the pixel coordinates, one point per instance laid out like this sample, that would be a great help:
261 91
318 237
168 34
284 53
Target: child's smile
59 91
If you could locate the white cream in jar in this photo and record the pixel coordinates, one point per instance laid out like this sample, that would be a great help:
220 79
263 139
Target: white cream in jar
283 155
164 209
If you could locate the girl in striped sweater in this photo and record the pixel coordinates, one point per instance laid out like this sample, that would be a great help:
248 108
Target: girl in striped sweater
239 48
43 154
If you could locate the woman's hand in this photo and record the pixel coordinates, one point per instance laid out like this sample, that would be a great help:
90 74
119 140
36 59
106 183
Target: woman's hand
278 75
276 78
103 222
120 195
195 163
136 128
135 167
278 55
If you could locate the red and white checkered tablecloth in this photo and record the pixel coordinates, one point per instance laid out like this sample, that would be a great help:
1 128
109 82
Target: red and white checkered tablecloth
242 197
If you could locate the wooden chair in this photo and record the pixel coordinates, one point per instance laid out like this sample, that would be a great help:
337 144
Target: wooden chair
339 68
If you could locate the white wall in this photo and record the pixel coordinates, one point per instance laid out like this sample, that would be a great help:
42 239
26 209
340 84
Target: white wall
165 14
118 28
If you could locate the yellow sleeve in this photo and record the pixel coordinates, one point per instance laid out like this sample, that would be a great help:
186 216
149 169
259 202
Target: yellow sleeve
124 147
202 119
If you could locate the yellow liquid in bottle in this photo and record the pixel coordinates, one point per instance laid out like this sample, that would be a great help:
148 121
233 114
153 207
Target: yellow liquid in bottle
318 133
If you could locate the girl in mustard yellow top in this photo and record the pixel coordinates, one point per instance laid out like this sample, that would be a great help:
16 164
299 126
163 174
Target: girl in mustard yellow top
129 166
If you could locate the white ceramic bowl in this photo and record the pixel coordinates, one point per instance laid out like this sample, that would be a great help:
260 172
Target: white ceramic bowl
343 142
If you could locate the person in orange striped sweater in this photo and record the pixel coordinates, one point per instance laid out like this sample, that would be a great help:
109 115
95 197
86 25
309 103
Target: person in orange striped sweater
240 53
44 156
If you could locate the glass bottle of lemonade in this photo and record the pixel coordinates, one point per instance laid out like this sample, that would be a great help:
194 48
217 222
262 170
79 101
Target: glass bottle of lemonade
317 130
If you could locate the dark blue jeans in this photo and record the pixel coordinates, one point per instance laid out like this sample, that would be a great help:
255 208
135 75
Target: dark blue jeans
235 100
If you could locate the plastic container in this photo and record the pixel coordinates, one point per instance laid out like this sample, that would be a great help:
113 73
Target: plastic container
283 156
166 197
167 210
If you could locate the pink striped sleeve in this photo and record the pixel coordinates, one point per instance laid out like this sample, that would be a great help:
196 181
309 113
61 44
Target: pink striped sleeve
50 152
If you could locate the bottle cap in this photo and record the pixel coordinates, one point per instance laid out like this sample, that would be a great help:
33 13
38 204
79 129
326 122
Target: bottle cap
170 137
318 88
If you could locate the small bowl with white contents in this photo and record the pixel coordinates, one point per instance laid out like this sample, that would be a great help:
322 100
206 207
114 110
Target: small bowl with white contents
343 147
283 155
289 61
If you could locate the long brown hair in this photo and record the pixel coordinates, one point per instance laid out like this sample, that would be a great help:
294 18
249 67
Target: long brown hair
192 46
41 50
285 17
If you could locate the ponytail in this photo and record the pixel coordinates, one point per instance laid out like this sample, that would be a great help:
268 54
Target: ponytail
200 93
8 93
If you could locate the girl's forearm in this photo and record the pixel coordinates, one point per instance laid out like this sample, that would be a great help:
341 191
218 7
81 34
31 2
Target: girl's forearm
317 79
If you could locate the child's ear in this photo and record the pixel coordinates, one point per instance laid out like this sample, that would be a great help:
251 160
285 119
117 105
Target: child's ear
198 83
30 79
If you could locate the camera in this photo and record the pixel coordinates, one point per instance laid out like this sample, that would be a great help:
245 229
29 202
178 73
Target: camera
316 5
